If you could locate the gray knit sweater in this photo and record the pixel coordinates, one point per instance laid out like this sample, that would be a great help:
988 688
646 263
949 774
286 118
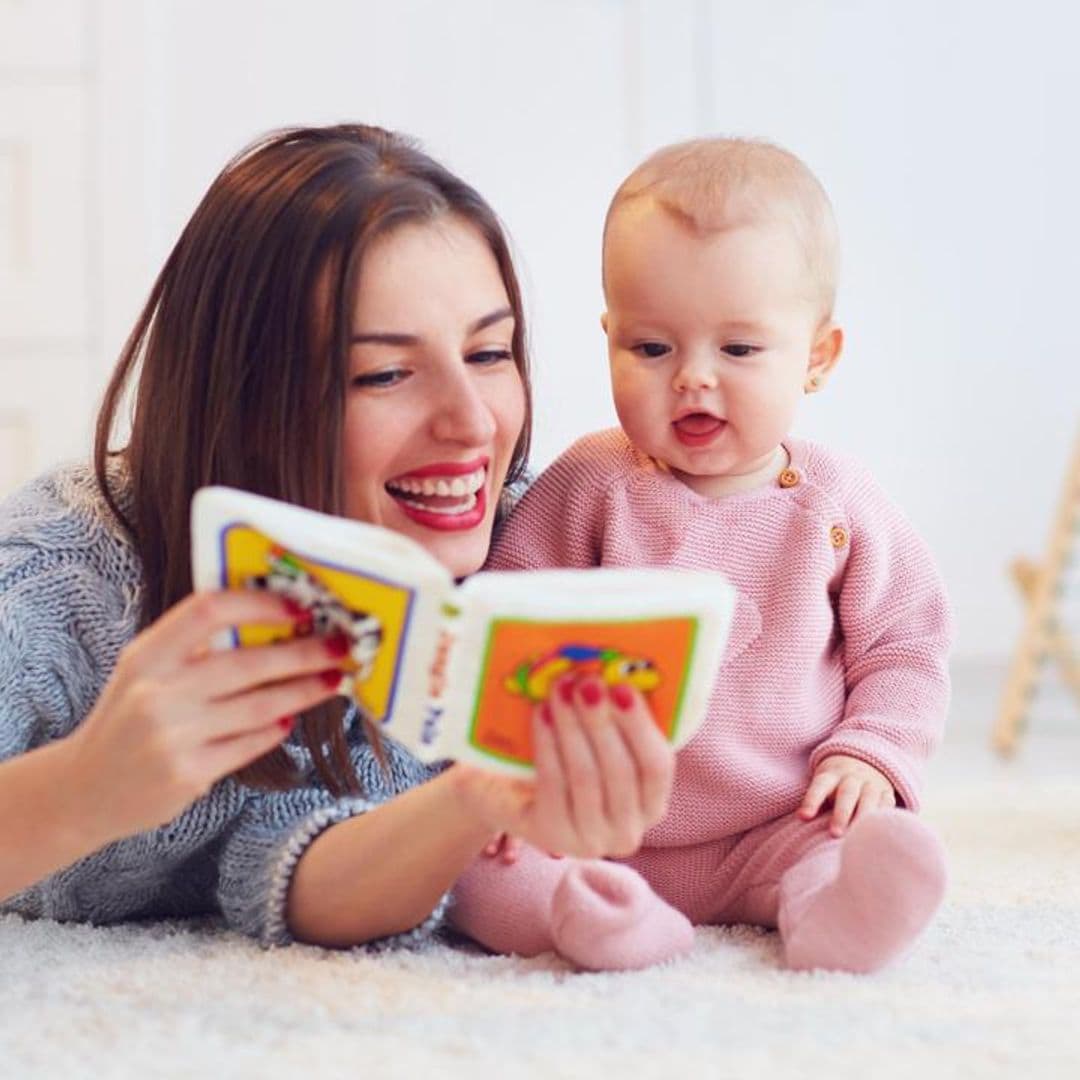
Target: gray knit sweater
69 600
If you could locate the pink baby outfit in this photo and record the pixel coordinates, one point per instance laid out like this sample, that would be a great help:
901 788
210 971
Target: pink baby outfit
838 645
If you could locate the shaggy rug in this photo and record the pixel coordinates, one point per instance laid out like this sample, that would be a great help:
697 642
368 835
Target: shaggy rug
992 990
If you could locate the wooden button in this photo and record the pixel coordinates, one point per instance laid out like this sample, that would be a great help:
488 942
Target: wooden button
838 536
789 478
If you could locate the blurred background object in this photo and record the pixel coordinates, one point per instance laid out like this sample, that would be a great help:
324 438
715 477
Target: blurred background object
944 133
1051 591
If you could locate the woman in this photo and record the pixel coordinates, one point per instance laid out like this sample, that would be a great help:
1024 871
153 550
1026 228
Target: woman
339 320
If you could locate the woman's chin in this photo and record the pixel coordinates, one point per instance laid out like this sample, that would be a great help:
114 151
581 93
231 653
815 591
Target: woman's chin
462 555
459 542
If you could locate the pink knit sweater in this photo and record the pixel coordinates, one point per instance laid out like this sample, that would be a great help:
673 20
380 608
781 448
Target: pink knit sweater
840 637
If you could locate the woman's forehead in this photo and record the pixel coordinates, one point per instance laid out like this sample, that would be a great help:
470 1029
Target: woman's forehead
427 271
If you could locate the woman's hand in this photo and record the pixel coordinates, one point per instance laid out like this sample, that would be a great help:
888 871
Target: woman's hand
603 774
175 717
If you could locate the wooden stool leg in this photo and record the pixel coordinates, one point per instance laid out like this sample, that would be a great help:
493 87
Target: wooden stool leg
1058 643
1042 632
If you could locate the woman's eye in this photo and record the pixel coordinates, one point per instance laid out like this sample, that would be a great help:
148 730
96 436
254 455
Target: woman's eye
489 357
390 377
740 350
651 349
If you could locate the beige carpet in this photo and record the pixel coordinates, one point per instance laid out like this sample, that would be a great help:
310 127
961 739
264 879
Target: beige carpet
993 990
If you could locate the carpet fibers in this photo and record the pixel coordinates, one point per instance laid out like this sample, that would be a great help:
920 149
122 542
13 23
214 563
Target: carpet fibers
992 990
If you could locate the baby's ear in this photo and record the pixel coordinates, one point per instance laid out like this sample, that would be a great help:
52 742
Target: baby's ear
824 354
603 321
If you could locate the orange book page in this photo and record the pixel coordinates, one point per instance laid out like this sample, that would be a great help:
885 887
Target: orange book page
523 659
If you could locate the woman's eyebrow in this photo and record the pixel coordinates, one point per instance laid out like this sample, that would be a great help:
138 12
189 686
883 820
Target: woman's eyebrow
386 338
490 319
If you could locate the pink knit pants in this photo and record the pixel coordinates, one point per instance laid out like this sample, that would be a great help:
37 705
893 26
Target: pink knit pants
849 903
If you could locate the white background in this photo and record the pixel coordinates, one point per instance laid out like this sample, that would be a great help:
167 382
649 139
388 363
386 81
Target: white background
946 134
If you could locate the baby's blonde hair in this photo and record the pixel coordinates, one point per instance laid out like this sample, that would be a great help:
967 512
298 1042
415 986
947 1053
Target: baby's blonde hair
720 183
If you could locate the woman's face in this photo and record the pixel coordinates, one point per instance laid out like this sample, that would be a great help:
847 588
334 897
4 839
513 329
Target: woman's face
435 402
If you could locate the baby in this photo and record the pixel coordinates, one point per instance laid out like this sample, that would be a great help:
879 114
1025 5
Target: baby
795 804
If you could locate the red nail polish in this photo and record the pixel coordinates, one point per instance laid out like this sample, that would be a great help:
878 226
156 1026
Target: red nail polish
621 695
286 723
337 645
566 690
331 678
545 714
591 693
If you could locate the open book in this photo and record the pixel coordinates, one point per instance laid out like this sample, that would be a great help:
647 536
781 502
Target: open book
455 671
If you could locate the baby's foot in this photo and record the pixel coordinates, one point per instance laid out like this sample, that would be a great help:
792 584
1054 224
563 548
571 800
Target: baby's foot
604 917
890 882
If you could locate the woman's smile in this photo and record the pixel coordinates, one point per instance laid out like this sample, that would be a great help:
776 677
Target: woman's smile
447 495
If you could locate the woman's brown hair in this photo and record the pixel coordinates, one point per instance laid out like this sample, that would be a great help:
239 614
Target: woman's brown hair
241 378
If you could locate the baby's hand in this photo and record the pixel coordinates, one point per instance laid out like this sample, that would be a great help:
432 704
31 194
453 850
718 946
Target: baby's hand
851 785
504 847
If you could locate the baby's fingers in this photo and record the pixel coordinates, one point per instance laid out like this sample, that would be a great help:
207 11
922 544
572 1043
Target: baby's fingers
511 849
821 787
505 847
848 796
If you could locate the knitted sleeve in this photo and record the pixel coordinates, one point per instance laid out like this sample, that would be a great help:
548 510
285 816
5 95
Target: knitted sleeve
60 627
559 521
896 631
270 837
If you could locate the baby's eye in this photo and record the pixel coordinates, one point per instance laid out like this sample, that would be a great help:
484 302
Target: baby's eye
737 349
489 357
651 349
379 379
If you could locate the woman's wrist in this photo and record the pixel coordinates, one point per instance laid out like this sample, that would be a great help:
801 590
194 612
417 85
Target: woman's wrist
481 798
50 820
84 810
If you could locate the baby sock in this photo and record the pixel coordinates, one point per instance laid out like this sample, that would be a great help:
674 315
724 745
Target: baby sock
599 915
855 905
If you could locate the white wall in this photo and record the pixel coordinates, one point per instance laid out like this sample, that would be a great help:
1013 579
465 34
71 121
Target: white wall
945 133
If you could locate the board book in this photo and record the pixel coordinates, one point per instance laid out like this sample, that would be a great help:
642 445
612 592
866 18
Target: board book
456 670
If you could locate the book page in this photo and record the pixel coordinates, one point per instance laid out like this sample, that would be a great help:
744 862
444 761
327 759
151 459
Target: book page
377 588
660 631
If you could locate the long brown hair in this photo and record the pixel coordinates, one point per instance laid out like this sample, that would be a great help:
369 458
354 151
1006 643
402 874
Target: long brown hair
241 380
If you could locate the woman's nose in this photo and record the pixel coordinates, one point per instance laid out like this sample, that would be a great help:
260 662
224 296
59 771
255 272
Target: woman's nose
462 415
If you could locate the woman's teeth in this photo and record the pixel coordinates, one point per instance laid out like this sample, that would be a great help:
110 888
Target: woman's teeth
462 489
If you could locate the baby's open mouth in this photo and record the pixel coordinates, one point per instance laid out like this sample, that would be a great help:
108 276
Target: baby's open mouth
698 423
439 494
698 430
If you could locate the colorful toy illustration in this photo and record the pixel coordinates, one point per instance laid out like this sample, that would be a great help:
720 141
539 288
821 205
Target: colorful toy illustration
533 678
287 578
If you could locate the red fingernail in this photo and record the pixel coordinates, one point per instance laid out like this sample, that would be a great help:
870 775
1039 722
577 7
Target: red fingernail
545 714
303 626
293 608
566 690
286 723
331 678
337 645
591 693
621 695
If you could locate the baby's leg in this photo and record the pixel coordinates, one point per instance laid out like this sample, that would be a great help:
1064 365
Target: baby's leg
856 903
598 915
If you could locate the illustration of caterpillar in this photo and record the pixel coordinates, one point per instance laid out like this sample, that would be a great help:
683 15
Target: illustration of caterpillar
533 678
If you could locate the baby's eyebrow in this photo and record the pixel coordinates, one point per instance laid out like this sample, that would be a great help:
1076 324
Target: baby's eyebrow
384 337
744 326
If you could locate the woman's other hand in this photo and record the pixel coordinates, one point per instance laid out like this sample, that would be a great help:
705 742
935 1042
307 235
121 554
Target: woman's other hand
603 774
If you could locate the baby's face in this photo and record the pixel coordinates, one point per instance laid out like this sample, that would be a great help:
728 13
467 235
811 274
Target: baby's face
710 339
